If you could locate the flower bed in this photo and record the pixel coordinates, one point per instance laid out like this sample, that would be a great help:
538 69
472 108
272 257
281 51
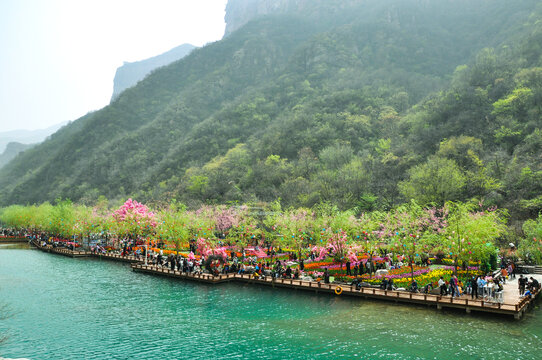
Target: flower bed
423 277
449 262
317 265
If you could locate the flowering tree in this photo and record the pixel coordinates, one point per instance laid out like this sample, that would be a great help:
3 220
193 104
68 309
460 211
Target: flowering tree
134 219
338 247
227 217
343 228
207 249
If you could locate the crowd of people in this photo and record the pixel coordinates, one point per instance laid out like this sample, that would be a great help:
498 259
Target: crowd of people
13 233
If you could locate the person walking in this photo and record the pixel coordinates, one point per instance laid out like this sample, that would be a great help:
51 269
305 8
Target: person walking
456 286
452 286
348 272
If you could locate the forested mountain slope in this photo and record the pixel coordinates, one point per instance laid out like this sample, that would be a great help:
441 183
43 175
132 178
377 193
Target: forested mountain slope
11 150
367 107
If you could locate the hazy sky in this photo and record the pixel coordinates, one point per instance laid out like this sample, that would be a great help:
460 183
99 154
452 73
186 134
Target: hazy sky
58 57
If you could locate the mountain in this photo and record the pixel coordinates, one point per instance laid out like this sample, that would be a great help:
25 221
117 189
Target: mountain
27 136
240 12
11 151
131 73
372 104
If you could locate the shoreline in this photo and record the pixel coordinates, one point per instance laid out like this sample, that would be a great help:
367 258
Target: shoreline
516 309
13 240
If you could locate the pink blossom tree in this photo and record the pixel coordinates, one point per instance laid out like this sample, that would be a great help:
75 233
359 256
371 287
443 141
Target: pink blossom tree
134 219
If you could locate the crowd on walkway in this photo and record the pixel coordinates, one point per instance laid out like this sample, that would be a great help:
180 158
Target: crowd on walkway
291 265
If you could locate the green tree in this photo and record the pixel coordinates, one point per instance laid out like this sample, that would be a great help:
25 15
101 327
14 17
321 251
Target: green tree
530 247
436 181
472 232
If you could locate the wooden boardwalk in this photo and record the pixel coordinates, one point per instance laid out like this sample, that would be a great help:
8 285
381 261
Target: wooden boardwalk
512 308
114 257
60 251
74 254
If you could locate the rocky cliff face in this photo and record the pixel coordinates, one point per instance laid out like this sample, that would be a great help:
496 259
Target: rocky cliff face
240 12
130 74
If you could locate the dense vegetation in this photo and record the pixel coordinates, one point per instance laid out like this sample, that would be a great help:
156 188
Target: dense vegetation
367 108
460 232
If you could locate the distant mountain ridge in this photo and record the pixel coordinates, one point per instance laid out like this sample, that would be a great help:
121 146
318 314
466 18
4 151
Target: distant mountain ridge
131 73
27 136
240 12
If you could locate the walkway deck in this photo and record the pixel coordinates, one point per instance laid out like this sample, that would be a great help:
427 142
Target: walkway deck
71 253
114 257
513 305
60 251
514 308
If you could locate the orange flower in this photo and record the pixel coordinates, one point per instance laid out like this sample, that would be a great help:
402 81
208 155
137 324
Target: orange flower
316 265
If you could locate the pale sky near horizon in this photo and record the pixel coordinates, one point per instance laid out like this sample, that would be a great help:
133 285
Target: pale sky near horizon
58 57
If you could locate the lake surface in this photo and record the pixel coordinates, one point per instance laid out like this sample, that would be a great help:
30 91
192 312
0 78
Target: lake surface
65 308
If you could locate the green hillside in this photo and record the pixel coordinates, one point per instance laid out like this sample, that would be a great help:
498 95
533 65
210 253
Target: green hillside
12 149
365 107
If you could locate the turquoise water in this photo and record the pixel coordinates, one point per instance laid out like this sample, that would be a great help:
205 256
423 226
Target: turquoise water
67 308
